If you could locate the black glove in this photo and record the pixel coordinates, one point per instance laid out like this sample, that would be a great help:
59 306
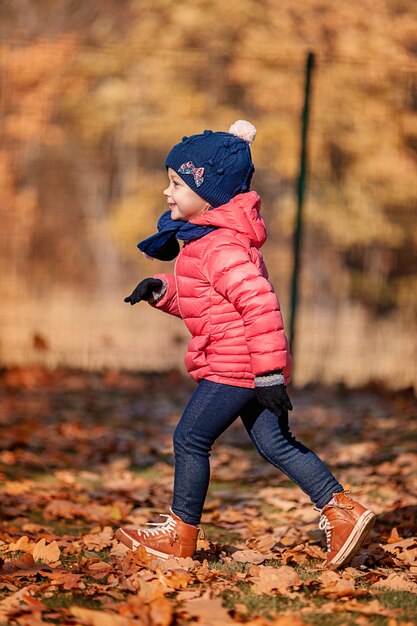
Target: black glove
272 393
145 290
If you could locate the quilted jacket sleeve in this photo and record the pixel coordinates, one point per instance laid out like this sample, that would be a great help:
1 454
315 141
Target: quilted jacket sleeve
237 278
169 301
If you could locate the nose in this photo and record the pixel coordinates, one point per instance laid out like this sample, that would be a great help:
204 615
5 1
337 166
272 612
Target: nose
166 191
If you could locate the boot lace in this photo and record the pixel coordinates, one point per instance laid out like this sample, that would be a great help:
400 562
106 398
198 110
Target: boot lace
160 527
325 525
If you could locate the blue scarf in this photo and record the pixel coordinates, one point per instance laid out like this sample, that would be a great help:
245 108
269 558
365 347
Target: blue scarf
164 245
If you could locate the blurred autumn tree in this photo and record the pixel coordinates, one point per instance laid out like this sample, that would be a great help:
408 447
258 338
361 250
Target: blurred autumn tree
93 95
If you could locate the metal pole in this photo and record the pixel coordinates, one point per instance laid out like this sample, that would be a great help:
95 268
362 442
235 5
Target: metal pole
301 187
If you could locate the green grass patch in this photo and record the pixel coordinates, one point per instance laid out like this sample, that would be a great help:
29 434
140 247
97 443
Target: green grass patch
13 556
147 471
260 604
67 599
223 485
104 555
304 574
400 600
223 536
342 619
229 567
60 527
268 605
71 560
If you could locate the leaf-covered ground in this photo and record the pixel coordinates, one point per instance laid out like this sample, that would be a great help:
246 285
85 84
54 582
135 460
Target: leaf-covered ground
83 453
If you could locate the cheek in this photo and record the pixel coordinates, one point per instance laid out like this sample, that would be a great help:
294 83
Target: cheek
176 193
181 199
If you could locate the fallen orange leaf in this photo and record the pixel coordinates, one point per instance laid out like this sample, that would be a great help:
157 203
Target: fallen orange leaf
46 553
251 556
397 582
177 579
68 580
394 536
209 611
261 544
99 540
21 544
161 612
88 617
283 580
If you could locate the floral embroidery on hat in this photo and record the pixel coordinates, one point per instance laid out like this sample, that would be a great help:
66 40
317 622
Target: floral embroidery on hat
197 172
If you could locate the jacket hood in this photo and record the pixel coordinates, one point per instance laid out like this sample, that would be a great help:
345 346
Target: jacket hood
240 214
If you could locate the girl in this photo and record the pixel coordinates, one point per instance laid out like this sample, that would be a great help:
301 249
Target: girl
238 354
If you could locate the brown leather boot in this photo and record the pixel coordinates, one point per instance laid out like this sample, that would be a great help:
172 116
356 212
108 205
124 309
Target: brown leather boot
347 524
172 538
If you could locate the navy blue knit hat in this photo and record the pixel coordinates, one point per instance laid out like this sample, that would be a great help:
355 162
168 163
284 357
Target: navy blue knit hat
216 165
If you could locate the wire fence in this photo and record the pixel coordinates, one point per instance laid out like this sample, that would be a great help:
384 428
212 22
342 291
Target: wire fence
84 133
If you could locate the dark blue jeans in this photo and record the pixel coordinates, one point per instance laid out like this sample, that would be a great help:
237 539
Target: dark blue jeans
214 407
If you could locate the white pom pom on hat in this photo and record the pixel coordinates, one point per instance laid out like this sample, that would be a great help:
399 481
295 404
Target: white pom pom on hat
244 130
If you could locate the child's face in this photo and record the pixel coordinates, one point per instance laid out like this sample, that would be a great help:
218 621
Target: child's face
183 202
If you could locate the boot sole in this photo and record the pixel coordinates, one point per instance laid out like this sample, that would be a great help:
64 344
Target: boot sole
132 544
354 542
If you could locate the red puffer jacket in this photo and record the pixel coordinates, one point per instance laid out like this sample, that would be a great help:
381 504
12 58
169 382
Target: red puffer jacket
220 288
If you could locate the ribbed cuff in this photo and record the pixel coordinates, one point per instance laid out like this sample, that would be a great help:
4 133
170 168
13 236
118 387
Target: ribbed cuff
268 380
